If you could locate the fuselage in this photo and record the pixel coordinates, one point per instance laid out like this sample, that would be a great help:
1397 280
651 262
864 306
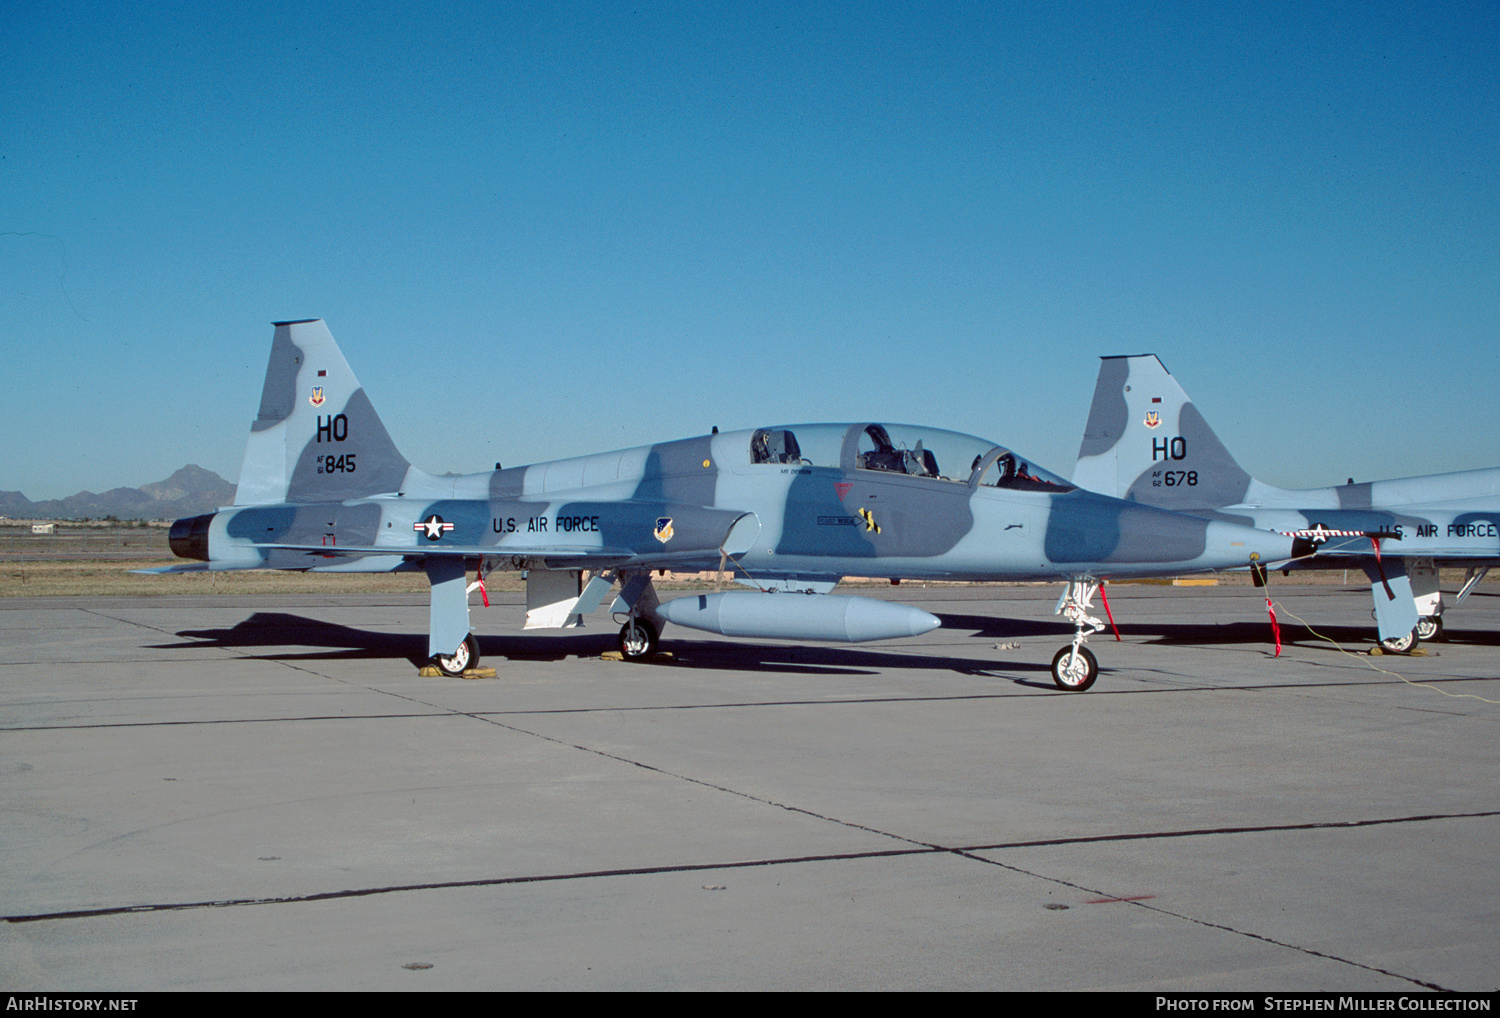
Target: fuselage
1461 532
820 501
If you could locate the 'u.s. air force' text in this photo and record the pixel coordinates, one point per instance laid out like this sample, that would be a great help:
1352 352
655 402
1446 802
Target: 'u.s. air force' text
541 525
1482 529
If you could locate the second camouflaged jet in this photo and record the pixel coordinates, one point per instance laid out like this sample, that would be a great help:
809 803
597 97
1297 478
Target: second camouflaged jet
787 510
1146 442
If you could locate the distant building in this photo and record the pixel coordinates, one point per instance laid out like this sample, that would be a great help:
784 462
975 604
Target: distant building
43 528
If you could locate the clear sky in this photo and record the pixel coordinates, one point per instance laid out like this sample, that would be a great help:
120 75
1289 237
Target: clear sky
546 229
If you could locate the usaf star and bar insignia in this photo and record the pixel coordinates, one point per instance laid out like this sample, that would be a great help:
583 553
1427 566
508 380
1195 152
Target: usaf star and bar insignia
433 527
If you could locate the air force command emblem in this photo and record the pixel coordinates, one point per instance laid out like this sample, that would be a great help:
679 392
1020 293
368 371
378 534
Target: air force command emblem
316 399
1153 418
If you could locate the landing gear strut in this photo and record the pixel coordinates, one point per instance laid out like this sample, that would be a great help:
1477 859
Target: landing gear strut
461 660
1074 668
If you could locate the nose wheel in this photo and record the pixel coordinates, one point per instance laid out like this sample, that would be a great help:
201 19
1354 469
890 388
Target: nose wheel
1074 669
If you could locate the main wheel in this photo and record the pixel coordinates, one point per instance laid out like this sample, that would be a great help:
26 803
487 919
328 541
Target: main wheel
637 640
1430 627
461 660
1075 674
1400 644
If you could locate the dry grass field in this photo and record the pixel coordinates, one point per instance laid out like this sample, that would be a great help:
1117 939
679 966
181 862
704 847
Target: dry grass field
83 560
113 577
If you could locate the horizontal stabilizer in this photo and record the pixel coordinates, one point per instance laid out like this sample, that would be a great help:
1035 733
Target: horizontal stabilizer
200 567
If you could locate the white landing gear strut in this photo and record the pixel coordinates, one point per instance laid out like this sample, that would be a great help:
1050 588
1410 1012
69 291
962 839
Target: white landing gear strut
1074 668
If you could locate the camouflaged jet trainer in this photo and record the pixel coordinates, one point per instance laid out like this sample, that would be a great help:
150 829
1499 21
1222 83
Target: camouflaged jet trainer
1147 443
788 511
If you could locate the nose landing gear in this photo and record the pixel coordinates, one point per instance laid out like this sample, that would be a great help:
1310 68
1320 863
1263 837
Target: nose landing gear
1074 668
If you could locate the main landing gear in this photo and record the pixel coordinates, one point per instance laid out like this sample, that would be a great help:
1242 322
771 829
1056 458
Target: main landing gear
1400 644
1429 628
1074 668
461 660
637 639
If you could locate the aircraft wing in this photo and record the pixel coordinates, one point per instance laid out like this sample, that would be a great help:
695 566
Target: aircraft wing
561 535
383 559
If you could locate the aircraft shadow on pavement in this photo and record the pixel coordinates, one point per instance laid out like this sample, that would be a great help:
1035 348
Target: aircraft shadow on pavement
1357 638
833 659
289 637
295 638
992 627
1160 633
293 634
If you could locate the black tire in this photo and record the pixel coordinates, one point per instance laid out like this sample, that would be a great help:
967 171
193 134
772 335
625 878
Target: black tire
461 660
1429 628
1400 644
637 640
1076 679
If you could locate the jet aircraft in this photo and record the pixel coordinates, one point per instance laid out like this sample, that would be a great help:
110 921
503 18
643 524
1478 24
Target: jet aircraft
1147 443
787 510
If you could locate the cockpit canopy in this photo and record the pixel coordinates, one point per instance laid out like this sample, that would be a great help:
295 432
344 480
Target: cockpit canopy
901 449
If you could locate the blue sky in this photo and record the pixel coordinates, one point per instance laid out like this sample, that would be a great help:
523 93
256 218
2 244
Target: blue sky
541 230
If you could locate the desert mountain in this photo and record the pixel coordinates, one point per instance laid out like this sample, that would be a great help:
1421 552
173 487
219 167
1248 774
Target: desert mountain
189 491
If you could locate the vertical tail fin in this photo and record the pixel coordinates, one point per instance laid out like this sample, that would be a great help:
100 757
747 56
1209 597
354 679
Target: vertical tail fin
317 438
1145 441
